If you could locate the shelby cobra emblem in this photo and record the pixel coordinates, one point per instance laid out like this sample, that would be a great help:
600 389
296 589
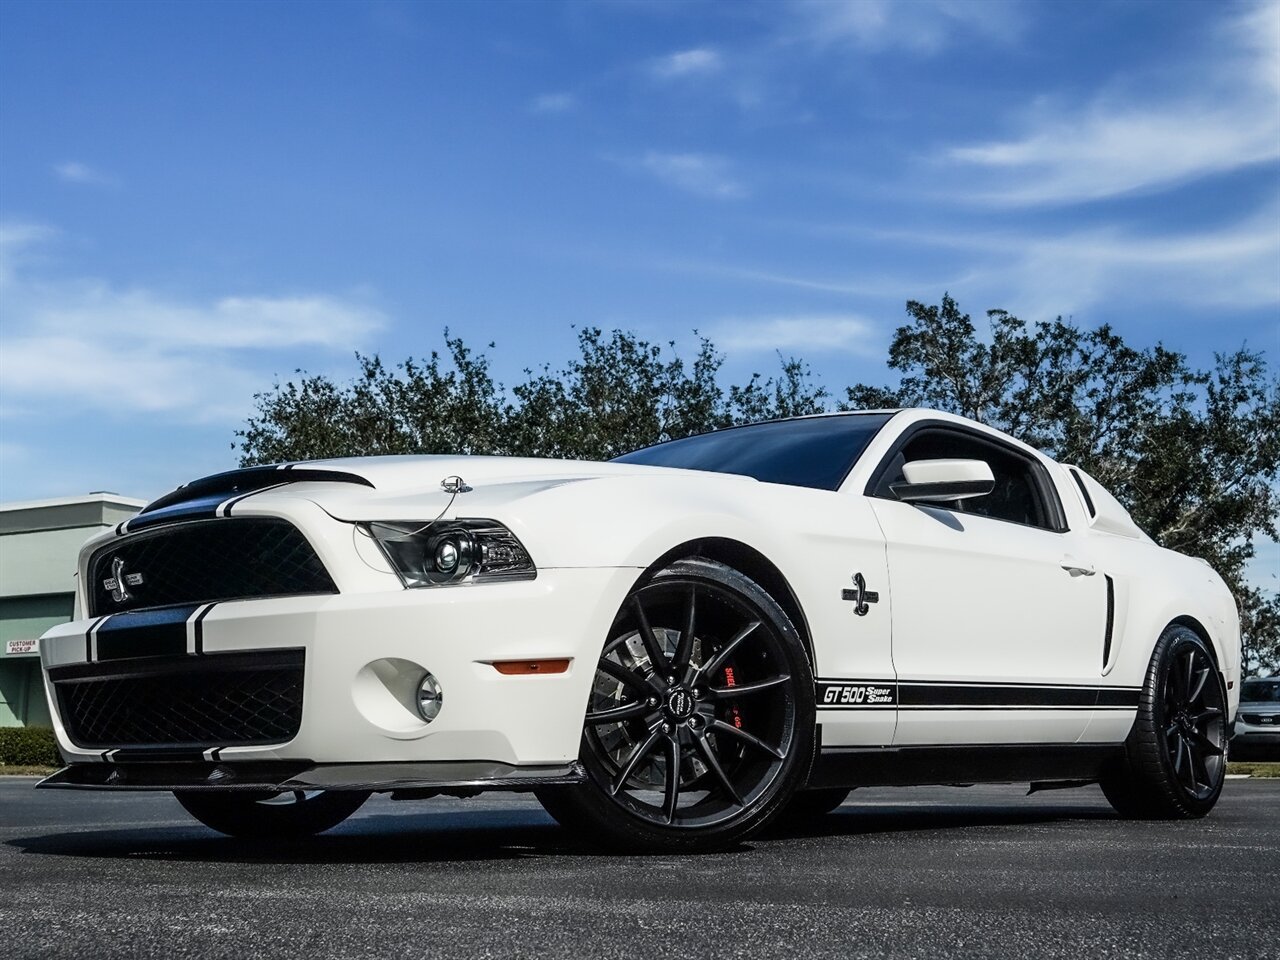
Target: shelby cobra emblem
860 595
663 648
120 581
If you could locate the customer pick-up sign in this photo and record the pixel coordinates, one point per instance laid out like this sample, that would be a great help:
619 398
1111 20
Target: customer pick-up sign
12 647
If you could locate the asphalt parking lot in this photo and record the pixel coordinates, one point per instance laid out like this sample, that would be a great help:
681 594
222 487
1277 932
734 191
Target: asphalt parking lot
923 872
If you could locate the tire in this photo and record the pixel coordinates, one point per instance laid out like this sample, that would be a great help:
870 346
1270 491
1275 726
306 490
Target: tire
704 750
260 816
1175 755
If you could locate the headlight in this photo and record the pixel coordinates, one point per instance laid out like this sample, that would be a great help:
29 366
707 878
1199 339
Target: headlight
457 551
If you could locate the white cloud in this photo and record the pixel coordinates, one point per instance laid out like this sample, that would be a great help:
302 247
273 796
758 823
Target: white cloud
554 103
1231 266
843 333
74 172
99 311
1256 32
16 243
866 285
110 351
1122 143
921 26
698 173
685 63
107 381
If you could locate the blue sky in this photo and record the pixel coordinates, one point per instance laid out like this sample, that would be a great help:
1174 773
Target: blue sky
197 198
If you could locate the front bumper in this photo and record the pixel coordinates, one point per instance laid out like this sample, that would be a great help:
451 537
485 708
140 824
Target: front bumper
364 654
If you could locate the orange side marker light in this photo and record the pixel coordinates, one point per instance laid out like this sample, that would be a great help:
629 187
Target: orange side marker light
520 668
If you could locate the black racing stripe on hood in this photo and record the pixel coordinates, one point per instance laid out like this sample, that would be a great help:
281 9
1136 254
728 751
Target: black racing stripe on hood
202 497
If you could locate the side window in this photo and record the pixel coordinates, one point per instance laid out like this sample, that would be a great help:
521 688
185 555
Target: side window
1017 496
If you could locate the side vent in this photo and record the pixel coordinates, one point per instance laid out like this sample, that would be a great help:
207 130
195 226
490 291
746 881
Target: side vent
1111 622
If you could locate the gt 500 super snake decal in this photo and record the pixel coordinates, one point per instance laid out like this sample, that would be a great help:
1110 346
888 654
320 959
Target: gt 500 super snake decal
856 693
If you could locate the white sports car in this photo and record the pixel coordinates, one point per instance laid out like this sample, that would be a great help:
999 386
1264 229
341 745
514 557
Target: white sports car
671 649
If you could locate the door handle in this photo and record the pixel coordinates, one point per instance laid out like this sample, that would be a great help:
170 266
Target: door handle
1077 568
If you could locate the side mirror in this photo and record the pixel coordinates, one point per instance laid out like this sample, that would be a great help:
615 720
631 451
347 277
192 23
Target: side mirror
944 481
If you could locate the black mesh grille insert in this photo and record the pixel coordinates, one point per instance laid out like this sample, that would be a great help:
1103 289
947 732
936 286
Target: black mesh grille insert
211 701
205 560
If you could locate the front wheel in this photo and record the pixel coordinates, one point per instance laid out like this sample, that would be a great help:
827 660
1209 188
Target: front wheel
1176 753
288 815
701 717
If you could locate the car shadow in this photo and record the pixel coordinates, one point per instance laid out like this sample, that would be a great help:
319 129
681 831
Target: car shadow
506 835
380 838
852 820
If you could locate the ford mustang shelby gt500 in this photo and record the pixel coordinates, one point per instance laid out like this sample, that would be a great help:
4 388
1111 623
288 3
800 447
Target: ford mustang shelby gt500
670 649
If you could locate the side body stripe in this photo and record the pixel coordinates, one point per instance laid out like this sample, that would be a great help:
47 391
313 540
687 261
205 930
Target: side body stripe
833 694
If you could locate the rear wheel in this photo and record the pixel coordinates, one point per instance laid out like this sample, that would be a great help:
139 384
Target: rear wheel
700 722
1176 753
287 815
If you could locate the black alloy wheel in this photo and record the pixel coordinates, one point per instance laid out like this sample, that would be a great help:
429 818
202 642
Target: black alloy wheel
1177 750
700 718
1194 714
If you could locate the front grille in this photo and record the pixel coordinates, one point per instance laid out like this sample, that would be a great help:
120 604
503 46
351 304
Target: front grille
183 702
1260 719
202 561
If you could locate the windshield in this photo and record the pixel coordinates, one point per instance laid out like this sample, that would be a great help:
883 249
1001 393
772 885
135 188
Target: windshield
810 452
1260 691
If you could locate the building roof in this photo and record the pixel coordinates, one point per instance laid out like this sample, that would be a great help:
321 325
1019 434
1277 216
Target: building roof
100 509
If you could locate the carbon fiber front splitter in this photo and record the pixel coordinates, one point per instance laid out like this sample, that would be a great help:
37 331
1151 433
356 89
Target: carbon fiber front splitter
280 775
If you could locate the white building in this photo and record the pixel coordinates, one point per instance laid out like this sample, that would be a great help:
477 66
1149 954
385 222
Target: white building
39 543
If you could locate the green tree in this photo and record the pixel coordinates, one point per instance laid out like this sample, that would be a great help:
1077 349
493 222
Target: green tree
419 407
1193 454
619 394
793 394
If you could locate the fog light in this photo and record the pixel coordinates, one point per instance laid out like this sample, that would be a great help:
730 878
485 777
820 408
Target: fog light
430 698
